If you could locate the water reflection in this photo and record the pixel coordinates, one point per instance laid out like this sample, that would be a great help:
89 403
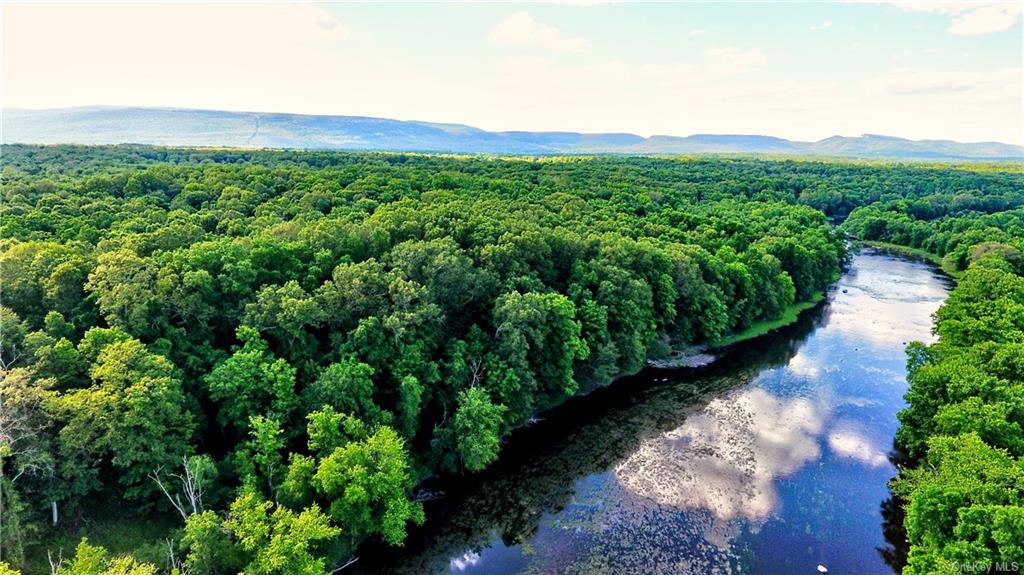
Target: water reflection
550 479
846 440
896 548
767 461
727 457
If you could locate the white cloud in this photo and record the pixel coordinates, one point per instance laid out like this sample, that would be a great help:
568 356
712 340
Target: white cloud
730 60
520 28
823 26
467 560
995 85
986 19
727 457
698 32
301 59
966 18
540 92
850 444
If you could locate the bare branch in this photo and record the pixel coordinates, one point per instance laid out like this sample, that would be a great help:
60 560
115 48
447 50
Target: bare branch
176 565
55 565
191 486
155 476
349 563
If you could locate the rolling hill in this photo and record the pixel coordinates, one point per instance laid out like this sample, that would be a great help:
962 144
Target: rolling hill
192 127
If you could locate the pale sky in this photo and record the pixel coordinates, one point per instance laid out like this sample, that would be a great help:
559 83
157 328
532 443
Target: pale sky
797 70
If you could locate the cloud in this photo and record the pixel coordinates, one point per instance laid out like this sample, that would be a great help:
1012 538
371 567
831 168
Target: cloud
538 91
966 18
986 19
823 26
998 84
730 60
850 444
727 457
313 59
698 32
520 28
467 560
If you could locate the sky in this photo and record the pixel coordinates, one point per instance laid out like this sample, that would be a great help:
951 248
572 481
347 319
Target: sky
803 71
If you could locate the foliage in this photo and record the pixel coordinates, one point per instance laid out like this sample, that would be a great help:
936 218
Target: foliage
476 428
276 540
134 416
964 425
92 560
361 476
328 328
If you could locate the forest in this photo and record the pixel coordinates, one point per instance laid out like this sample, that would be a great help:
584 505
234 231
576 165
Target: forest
962 432
249 360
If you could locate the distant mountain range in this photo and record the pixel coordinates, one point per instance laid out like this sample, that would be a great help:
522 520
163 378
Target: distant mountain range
190 127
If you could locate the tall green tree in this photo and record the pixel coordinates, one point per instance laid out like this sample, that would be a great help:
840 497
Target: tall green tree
252 383
476 427
362 476
134 416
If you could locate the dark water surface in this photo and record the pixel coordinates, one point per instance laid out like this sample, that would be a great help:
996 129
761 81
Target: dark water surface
772 460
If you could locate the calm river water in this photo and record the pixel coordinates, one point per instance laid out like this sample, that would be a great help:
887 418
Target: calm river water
774 459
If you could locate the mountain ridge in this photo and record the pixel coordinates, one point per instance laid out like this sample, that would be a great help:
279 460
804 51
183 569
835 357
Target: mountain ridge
199 127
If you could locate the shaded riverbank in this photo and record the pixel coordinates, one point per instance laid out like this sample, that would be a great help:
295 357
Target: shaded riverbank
773 459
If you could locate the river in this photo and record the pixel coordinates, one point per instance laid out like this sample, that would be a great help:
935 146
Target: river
773 459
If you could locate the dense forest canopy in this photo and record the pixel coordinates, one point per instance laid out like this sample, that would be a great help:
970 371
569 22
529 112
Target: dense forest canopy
963 428
277 346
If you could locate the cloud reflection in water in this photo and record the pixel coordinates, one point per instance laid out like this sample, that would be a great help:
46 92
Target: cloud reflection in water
726 458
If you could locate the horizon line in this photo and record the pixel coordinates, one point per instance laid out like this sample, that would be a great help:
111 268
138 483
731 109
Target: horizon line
548 131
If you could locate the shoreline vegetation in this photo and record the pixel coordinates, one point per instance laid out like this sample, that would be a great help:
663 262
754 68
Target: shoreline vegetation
961 430
792 313
960 443
789 316
312 333
699 356
916 253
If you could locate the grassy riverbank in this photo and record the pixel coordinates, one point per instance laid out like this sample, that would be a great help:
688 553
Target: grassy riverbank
759 328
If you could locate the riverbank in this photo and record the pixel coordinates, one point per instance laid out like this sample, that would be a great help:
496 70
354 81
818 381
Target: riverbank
759 328
702 355
917 253
654 472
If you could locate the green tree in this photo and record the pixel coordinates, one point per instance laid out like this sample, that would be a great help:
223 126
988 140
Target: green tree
276 540
362 476
537 341
476 427
260 457
410 398
252 383
134 416
94 560
125 288
988 305
208 546
26 451
347 386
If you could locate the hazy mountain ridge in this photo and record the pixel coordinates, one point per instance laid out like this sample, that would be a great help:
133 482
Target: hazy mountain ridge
192 127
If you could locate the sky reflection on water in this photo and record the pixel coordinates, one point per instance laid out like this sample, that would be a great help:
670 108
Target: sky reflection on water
774 461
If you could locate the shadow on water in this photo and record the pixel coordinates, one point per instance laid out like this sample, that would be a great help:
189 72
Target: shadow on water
540 465
893 513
